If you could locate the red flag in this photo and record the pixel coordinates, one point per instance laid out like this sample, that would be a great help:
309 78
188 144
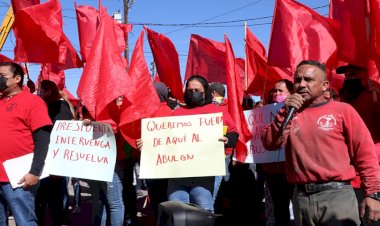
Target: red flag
374 62
121 31
88 22
136 106
206 58
72 58
261 76
252 47
39 35
167 62
20 4
299 33
53 73
104 77
351 14
235 98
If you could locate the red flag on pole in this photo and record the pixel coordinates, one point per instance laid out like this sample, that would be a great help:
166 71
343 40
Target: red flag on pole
104 77
235 98
135 105
206 58
299 33
261 76
72 58
20 4
88 22
39 35
167 62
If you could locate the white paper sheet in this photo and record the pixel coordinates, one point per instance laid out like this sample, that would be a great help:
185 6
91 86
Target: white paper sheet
16 168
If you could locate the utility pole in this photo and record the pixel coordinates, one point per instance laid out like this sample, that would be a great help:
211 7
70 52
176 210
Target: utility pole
127 5
152 70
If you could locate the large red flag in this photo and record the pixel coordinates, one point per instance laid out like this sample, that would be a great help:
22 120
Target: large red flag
167 62
137 106
53 73
39 35
235 98
20 4
261 76
351 15
206 58
299 33
104 77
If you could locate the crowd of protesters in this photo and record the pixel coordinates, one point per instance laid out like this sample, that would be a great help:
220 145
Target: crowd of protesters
331 173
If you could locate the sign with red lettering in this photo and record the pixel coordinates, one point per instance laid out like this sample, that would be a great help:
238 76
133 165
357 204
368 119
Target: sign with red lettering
257 119
76 150
182 146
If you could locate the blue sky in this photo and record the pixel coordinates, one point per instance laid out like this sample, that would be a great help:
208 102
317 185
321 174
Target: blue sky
170 14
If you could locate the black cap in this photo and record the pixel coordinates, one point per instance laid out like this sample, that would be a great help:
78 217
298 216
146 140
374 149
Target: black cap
343 69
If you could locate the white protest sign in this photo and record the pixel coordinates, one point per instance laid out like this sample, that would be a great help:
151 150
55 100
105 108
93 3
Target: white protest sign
182 146
87 152
257 119
18 167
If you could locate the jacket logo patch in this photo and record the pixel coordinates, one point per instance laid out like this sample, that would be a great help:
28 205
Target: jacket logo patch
11 106
326 122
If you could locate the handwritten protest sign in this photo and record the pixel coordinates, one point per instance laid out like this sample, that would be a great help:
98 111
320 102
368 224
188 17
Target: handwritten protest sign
87 152
182 146
257 119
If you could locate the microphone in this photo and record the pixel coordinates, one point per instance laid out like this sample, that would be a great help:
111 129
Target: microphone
289 116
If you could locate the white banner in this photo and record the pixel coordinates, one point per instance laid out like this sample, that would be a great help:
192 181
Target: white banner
80 151
182 146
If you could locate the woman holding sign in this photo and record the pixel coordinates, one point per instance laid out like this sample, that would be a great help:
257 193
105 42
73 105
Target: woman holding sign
275 172
200 190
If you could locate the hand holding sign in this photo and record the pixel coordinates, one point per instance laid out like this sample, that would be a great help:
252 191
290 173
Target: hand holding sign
182 146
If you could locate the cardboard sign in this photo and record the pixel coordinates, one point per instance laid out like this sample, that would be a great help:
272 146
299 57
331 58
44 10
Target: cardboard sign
257 119
182 146
80 151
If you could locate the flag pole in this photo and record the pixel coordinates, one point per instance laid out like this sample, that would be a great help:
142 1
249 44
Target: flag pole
246 58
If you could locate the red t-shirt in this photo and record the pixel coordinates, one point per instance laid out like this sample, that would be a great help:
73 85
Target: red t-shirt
20 116
326 143
207 109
